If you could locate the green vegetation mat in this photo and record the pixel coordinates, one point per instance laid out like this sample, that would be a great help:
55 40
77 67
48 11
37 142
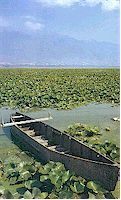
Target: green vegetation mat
32 180
91 136
57 88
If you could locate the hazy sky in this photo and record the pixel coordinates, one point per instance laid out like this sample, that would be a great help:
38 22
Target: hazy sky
81 19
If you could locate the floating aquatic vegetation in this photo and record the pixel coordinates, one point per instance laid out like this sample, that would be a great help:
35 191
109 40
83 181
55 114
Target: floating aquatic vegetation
91 136
58 88
51 181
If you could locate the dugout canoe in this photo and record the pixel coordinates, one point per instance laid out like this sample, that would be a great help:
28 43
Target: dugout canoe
48 143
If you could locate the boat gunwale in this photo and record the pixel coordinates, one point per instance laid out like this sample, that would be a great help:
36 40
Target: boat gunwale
113 164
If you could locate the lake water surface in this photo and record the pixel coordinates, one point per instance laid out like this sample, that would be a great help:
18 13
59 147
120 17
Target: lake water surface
93 114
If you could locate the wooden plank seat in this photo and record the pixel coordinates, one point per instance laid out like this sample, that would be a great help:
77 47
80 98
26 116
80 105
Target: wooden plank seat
25 128
52 147
40 140
30 132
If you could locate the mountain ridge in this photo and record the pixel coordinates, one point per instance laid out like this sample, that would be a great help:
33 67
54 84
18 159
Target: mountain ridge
55 49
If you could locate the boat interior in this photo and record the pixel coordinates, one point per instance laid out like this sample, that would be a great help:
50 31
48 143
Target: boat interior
57 141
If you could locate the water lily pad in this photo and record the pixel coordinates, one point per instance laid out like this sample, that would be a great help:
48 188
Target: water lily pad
7 194
36 183
2 189
100 195
66 194
24 176
1 174
44 178
53 196
10 172
35 192
79 178
16 195
21 189
65 176
91 196
37 165
28 195
95 187
42 195
43 170
54 178
28 184
30 168
58 185
92 186
59 167
13 180
77 187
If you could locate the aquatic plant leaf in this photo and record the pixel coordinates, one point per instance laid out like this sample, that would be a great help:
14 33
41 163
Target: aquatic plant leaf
74 178
1 174
44 178
75 196
7 194
36 183
95 187
65 176
9 172
53 196
59 167
28 195
43 170
103 151
21 166
79 178
30 168
37 165
35 192
2 189
16 195
100 195
24 176
66 193
58 185
77 187
12 159
49 166
92 186
28 184
91 196
21 189
54 178
42 195
13 180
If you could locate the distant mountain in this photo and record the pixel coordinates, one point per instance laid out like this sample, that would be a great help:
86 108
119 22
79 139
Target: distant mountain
55 49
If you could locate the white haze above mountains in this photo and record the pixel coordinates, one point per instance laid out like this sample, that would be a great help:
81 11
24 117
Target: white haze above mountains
54 49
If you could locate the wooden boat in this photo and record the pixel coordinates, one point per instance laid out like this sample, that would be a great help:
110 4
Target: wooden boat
48 143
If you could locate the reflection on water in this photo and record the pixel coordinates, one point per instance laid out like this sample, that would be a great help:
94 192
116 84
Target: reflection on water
93 114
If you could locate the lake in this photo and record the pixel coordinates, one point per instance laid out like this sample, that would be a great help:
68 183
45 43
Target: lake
93 114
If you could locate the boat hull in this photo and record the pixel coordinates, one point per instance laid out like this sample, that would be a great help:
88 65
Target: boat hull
105 173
